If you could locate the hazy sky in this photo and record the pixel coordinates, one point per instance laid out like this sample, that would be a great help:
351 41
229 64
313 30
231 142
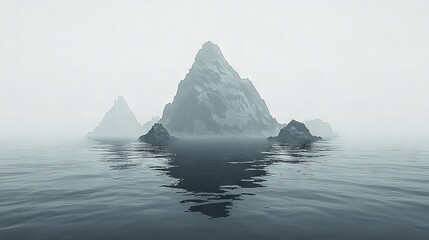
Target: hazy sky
361 65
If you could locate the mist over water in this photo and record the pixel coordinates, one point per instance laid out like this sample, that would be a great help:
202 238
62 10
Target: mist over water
360 67
211 189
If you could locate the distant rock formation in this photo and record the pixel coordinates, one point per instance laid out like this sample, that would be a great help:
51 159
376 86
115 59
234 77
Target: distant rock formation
157 135
118 122
214 100
295 133
319 128
149 124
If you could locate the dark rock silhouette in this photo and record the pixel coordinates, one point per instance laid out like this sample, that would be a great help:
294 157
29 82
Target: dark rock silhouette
295 133
319 128
157 135
149 124
214 100
118 122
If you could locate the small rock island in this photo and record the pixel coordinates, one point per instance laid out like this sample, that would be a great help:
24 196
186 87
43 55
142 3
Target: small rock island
295 133
157 135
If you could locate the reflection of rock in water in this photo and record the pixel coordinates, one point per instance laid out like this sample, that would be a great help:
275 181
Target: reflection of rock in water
118 153
209 169
214 173
214 210
287 153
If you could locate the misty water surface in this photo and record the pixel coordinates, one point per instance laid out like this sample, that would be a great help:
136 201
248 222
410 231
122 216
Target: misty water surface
214 189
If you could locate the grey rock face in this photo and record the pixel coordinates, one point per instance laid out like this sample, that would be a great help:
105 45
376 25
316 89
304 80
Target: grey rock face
295 133
157 135
319 128
118 122
214 100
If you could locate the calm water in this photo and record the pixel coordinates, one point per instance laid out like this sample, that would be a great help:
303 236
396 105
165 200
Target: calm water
211 189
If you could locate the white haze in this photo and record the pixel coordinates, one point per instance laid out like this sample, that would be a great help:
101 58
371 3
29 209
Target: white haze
361 65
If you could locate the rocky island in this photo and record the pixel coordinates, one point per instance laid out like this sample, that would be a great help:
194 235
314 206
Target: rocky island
157 135
295 133
211 101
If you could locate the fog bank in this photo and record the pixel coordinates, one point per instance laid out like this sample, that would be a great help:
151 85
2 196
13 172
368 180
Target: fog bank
362 66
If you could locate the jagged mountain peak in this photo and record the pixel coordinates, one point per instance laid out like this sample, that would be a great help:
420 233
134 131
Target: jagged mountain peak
210 51
120 100
210 57
120 103
118 122
214 100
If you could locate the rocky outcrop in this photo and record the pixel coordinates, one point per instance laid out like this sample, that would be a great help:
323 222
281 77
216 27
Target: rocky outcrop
157 135
118 122
149 124
295 133
214 100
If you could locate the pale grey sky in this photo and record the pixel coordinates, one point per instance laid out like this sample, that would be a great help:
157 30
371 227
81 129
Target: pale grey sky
361 65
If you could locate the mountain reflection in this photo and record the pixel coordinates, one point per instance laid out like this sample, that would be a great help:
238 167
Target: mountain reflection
216 172
209 169
213 172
